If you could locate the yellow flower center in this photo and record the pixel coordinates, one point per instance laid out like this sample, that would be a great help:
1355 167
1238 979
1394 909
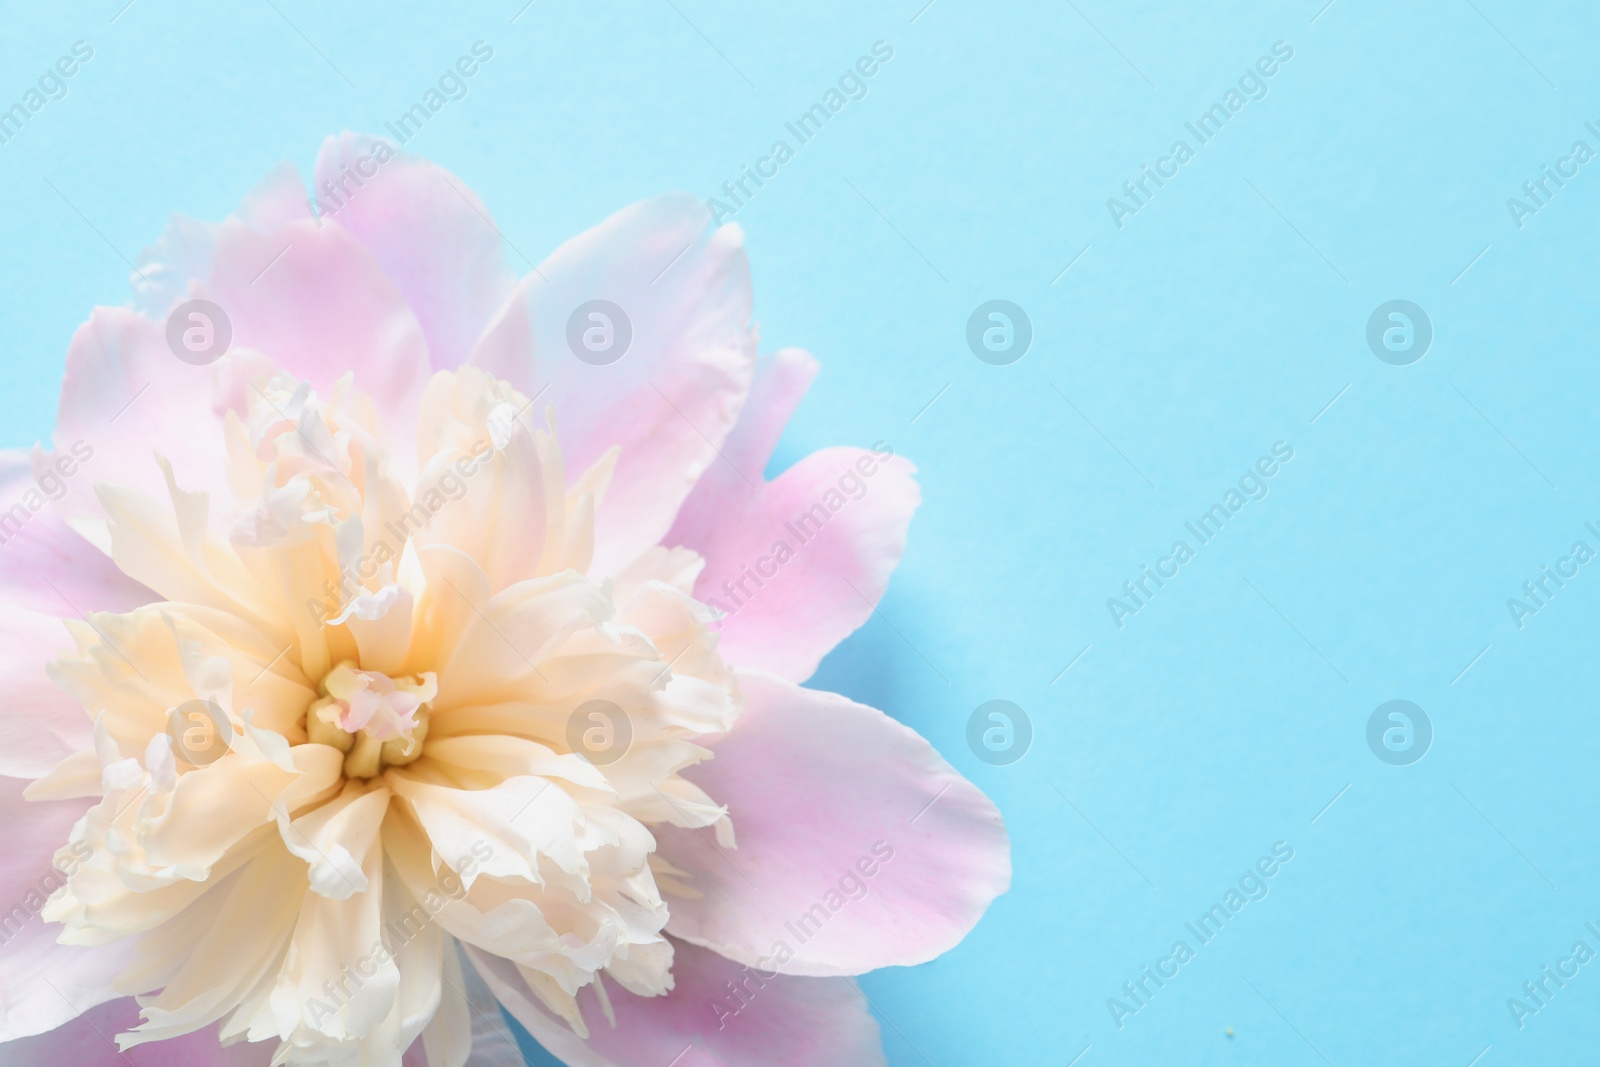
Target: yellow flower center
375 720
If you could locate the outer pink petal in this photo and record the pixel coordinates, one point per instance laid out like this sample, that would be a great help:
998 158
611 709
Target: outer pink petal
125 398
430 233
182 255
832 800
319 304
316 301
89 1041
673 396
797 563
42 984
40 725
44 564
782 1022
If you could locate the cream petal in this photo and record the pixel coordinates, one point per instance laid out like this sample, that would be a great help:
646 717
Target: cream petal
447 604
212 809
490 912
43 984
341 940
522 819
131 667
335 837
490 1041
149 544
78 775
87 1042
494 486
513 631
446 1040
502 757
258 908
384 636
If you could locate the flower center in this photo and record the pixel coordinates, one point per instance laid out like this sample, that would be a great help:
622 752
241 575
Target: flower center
375 720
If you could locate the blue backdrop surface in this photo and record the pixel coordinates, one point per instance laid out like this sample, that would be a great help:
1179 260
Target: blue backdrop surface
1199 316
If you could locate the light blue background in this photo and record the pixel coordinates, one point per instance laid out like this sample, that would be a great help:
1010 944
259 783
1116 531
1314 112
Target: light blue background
1220 319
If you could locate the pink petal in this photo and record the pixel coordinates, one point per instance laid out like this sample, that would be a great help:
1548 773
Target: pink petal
781 382
43 984
42 725
673 395
430 233
797 563
89 1041
277 200
182 255
316 301
45 565
359 710
780 1021
858 845
125 398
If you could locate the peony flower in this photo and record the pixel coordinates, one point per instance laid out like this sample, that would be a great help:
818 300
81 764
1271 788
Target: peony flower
389 640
